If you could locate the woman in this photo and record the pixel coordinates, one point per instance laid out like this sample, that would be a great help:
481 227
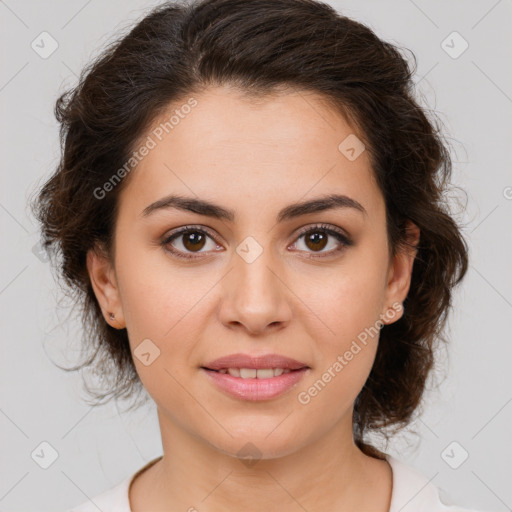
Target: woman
250 207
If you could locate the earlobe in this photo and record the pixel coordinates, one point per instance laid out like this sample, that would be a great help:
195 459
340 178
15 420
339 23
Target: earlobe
400 271
104 284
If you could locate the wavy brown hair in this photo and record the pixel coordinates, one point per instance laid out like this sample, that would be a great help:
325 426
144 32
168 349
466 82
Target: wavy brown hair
260 47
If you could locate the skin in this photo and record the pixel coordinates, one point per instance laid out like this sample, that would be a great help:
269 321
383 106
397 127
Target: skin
254 158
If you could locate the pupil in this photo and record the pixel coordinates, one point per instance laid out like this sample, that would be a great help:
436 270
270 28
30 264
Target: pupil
194 241
317 238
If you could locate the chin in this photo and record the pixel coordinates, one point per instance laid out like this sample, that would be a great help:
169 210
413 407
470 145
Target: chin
253 444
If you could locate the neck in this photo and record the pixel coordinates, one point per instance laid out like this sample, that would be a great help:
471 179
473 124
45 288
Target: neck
330 473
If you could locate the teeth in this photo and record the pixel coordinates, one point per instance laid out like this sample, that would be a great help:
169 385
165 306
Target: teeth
247 373
265 373
252 373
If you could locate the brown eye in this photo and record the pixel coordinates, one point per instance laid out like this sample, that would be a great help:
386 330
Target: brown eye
187 241
315 239
193 240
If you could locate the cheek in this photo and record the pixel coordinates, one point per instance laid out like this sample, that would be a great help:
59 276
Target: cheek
159 299
163 308
348 304
351 310
346 301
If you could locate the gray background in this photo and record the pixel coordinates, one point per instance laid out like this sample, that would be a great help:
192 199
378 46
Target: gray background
97 448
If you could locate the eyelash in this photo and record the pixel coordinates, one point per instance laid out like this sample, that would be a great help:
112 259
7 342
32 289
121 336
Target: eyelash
325 228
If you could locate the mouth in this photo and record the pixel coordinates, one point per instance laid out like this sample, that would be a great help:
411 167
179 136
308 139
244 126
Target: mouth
255 384
255 373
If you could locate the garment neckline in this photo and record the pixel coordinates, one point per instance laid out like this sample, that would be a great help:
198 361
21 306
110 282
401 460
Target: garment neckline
130 479
404 478
397 475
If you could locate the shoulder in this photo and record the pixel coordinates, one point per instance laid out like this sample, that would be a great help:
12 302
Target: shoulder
114 499
413 492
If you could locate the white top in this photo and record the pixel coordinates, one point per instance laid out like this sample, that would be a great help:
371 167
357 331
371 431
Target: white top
412 492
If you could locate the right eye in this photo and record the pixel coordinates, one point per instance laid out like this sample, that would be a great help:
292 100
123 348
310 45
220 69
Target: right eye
190 239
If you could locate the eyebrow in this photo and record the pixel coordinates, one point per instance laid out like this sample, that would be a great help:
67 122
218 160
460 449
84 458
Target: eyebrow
203 207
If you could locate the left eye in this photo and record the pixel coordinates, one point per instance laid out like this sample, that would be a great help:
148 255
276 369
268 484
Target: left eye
317 238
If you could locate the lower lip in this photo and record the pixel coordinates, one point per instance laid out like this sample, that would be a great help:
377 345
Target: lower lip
255 389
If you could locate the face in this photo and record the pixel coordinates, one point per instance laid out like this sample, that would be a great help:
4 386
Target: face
302 283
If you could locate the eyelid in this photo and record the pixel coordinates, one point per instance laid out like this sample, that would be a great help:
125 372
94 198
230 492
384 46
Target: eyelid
189 227
324 227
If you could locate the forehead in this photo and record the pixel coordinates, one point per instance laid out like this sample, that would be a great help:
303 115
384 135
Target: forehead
281 146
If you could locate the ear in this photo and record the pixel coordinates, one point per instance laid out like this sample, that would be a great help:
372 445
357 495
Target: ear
400 272
104 283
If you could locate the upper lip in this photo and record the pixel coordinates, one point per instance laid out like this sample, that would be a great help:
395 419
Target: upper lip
258 362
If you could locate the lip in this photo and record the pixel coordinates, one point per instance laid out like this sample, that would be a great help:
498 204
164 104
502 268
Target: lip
258 362
255 389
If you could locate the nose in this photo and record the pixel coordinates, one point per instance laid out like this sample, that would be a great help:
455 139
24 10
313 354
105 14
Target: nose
255 295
